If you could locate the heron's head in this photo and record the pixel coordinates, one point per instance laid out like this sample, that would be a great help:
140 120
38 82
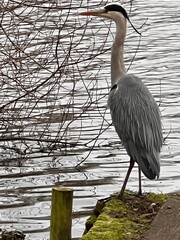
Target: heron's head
113 11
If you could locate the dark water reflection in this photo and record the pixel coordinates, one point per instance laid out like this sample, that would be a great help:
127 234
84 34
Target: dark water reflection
25 186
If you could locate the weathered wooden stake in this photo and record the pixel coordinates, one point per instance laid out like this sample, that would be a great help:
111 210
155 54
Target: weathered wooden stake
61 213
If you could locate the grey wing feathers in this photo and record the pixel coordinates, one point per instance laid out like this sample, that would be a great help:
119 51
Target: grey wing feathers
136 118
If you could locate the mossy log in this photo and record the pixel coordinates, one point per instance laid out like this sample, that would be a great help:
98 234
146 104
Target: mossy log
123 219
61 213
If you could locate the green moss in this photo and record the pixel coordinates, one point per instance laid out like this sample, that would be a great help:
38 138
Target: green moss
157 198
125 219
107 228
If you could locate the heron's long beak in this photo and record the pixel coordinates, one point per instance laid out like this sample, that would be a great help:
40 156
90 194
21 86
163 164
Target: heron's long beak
92 13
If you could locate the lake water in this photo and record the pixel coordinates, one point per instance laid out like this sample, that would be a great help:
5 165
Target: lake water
55 71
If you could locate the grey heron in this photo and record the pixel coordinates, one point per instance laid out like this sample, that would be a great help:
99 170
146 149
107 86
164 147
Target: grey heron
134 111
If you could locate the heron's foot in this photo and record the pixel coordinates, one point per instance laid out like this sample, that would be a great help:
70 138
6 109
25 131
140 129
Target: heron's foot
121 193
140 192
120 196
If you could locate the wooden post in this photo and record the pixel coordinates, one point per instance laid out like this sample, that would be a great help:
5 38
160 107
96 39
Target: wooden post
61 213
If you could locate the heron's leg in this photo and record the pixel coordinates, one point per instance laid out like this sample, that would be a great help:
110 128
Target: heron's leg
140 185
127 177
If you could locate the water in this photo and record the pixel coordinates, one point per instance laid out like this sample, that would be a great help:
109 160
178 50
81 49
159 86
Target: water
40 149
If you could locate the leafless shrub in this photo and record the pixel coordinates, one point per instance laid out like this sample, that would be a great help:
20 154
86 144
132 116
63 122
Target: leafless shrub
42 63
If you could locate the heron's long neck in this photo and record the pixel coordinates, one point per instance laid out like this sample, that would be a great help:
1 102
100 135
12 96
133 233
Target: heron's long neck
117 53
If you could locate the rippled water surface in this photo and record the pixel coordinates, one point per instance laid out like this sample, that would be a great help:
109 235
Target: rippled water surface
26 180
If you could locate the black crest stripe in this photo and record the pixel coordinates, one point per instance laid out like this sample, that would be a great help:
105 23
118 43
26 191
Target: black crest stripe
116 8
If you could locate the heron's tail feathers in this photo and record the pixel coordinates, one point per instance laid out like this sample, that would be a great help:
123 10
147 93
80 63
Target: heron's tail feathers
149 165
